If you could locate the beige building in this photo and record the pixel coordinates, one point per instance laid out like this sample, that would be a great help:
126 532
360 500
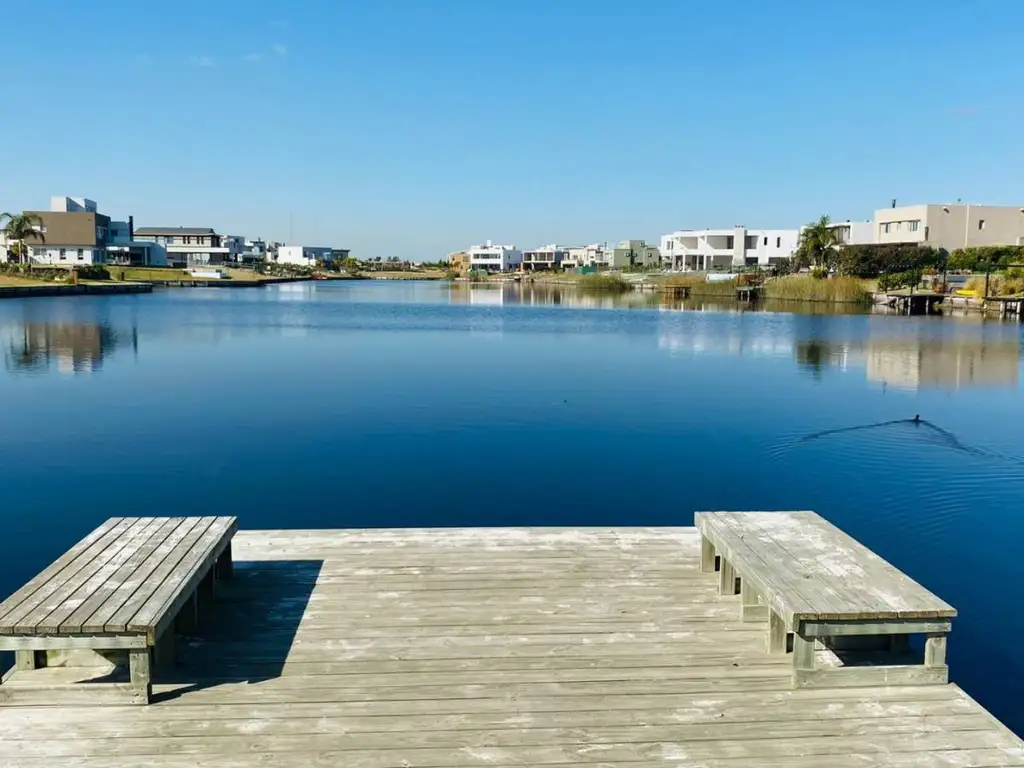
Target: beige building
951 226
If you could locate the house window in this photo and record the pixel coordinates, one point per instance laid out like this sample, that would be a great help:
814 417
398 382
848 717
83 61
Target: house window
914 225
981 224
778 242
80 254
63 253
886 227
766 240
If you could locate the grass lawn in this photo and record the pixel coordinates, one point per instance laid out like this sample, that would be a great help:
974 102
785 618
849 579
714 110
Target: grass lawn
9 280
426 274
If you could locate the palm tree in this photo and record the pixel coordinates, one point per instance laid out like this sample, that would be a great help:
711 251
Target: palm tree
18 228
818 241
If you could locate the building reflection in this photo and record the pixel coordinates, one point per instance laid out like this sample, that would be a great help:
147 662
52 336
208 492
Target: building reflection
946 362
70 347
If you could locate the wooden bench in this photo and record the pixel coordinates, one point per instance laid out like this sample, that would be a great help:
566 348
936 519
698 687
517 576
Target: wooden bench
840 600
119 589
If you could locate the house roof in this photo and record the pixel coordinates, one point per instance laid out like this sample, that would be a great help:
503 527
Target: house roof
174 231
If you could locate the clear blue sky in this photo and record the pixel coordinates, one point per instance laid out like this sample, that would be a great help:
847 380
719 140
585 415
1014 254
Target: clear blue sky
416 127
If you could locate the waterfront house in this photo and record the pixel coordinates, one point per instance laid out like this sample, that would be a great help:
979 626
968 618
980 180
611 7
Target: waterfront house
74 233
631 253
492 257
305 255
459 261
192 246
723 249
585 256
545 257
951 226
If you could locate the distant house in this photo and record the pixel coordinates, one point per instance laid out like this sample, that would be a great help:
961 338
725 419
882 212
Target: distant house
304 255
193 246
631 253
545 257
495 258
74 233
459 261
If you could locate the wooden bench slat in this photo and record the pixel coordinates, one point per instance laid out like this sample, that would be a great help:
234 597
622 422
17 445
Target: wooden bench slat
130 566
66 565
51 613
868 585
125 615
818 572
50 594
139 584
778 586
794 543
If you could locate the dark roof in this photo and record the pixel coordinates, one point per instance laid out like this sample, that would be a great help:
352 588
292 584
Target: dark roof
174 231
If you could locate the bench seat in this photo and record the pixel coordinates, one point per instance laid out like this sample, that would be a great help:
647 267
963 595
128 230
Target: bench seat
118 589
804 576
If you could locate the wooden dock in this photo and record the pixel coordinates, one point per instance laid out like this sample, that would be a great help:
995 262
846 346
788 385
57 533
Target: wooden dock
915 303
452 648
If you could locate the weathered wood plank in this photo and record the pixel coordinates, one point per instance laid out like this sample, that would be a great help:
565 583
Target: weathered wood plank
160 579
141 581
128 567
66 603
26 599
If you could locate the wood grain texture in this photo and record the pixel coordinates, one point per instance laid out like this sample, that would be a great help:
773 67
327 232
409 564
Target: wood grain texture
488 647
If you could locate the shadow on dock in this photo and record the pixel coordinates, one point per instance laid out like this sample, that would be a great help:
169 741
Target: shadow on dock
246 635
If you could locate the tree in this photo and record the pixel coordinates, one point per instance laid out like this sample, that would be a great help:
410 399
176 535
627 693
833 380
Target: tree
18 228
351 266
818 241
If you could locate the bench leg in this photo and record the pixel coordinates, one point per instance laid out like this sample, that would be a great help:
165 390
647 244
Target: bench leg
776 633
141 678
225 564
726 578
803 657
935 651
751 608
707 555
26 660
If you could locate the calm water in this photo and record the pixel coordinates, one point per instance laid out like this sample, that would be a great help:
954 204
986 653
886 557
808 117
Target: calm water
385 404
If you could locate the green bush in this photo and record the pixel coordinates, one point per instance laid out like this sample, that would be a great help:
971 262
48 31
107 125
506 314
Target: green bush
872 260
980 258
93 272
612 283
895 280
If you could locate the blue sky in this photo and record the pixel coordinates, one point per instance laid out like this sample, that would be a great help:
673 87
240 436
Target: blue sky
416 127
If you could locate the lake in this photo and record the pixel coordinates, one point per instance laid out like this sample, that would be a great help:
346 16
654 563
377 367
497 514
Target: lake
418 404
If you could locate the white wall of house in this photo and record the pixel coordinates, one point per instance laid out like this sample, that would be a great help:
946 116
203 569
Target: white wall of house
855 232
585 256
706 249
304 255
68 255
495 258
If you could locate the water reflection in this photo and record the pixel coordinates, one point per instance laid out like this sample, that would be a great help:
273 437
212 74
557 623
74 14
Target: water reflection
71 347
949 362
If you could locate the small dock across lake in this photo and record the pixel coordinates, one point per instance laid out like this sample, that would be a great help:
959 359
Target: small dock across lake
453 648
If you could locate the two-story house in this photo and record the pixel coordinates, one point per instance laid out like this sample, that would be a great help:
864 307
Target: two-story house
192 246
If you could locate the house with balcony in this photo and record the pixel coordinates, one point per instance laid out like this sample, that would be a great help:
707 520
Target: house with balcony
192 246
545 257
707 250
492 257
585 256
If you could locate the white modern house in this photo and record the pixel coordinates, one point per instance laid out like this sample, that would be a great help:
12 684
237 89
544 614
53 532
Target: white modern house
545 257
494 258
854 232
191 246
304 255
722 249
